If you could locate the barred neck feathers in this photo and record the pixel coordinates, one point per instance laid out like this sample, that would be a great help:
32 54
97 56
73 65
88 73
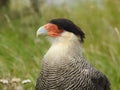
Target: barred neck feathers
66 46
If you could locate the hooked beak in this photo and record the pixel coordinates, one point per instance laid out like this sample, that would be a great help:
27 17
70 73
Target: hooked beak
41 31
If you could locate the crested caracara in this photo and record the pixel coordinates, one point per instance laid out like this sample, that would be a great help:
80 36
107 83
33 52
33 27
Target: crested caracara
63 66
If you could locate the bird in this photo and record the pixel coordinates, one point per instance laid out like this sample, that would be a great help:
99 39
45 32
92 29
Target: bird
63 66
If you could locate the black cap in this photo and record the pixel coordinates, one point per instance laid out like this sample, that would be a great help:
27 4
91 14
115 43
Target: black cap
69 26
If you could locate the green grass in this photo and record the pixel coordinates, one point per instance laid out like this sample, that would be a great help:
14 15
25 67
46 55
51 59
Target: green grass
21 52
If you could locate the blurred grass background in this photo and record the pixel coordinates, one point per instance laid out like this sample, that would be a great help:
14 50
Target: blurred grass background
21 52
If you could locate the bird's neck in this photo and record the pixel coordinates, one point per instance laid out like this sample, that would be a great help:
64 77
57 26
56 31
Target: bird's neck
63 48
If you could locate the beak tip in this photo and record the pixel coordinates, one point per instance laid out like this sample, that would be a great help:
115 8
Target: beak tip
37 33
41 31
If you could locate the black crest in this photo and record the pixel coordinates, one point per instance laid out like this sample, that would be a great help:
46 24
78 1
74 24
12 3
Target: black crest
68 26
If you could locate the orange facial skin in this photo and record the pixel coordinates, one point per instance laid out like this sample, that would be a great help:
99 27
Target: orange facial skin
53 30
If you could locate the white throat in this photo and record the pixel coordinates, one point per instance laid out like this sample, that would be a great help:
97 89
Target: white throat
67 45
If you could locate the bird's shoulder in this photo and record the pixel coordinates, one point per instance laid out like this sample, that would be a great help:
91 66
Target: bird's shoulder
96 76
99 79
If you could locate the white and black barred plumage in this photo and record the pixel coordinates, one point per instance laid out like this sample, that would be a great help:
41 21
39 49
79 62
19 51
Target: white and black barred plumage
63 66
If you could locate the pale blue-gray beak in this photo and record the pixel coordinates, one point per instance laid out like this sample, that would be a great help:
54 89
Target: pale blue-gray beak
41 31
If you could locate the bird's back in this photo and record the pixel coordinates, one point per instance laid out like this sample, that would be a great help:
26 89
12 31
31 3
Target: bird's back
76 74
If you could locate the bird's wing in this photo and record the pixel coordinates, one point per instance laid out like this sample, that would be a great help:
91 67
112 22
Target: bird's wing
100 80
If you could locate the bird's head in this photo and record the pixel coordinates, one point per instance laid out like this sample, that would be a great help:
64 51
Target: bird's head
61 27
